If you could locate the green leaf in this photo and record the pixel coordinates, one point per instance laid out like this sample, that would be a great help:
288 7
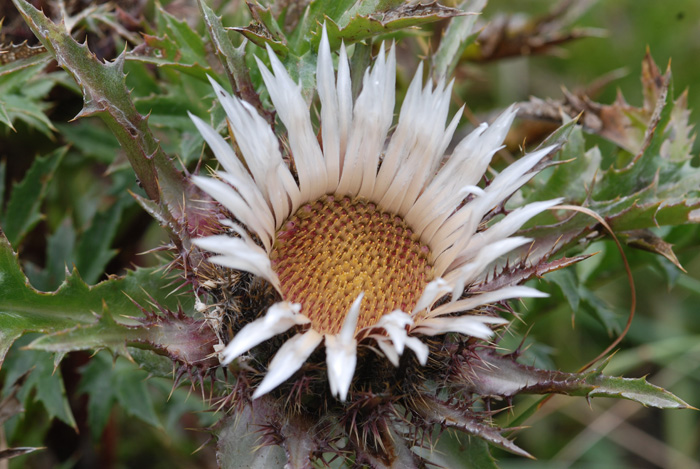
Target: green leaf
174 46
4 116
93 139
183 339
107 382
31 111
23 309
93 251
22 91
575 176
264 31
134 397
600 310
502 376
655 185
44 384
457 36
59 257
97 382
22 212
364 26
567 282
316 13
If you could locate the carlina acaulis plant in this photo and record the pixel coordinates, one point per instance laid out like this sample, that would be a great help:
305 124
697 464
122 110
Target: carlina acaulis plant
352 268
368 256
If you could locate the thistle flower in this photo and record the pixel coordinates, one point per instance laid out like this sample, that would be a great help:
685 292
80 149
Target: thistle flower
377 240
374 244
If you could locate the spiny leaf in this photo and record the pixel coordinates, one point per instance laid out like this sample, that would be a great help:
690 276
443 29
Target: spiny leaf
23 212
23 309
60 248
105 94
177 336
648 241
300 442
439 412
396 453
655 186
336 10
459 453
238 439
500 376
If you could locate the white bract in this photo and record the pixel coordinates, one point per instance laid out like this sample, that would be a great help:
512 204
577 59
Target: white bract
436 195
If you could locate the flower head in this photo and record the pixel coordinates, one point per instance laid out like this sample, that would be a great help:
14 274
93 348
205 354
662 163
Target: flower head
372 238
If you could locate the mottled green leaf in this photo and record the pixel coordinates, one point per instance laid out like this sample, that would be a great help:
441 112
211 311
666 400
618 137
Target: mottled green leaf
22 212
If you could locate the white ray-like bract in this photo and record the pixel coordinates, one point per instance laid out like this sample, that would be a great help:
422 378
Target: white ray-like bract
436 195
